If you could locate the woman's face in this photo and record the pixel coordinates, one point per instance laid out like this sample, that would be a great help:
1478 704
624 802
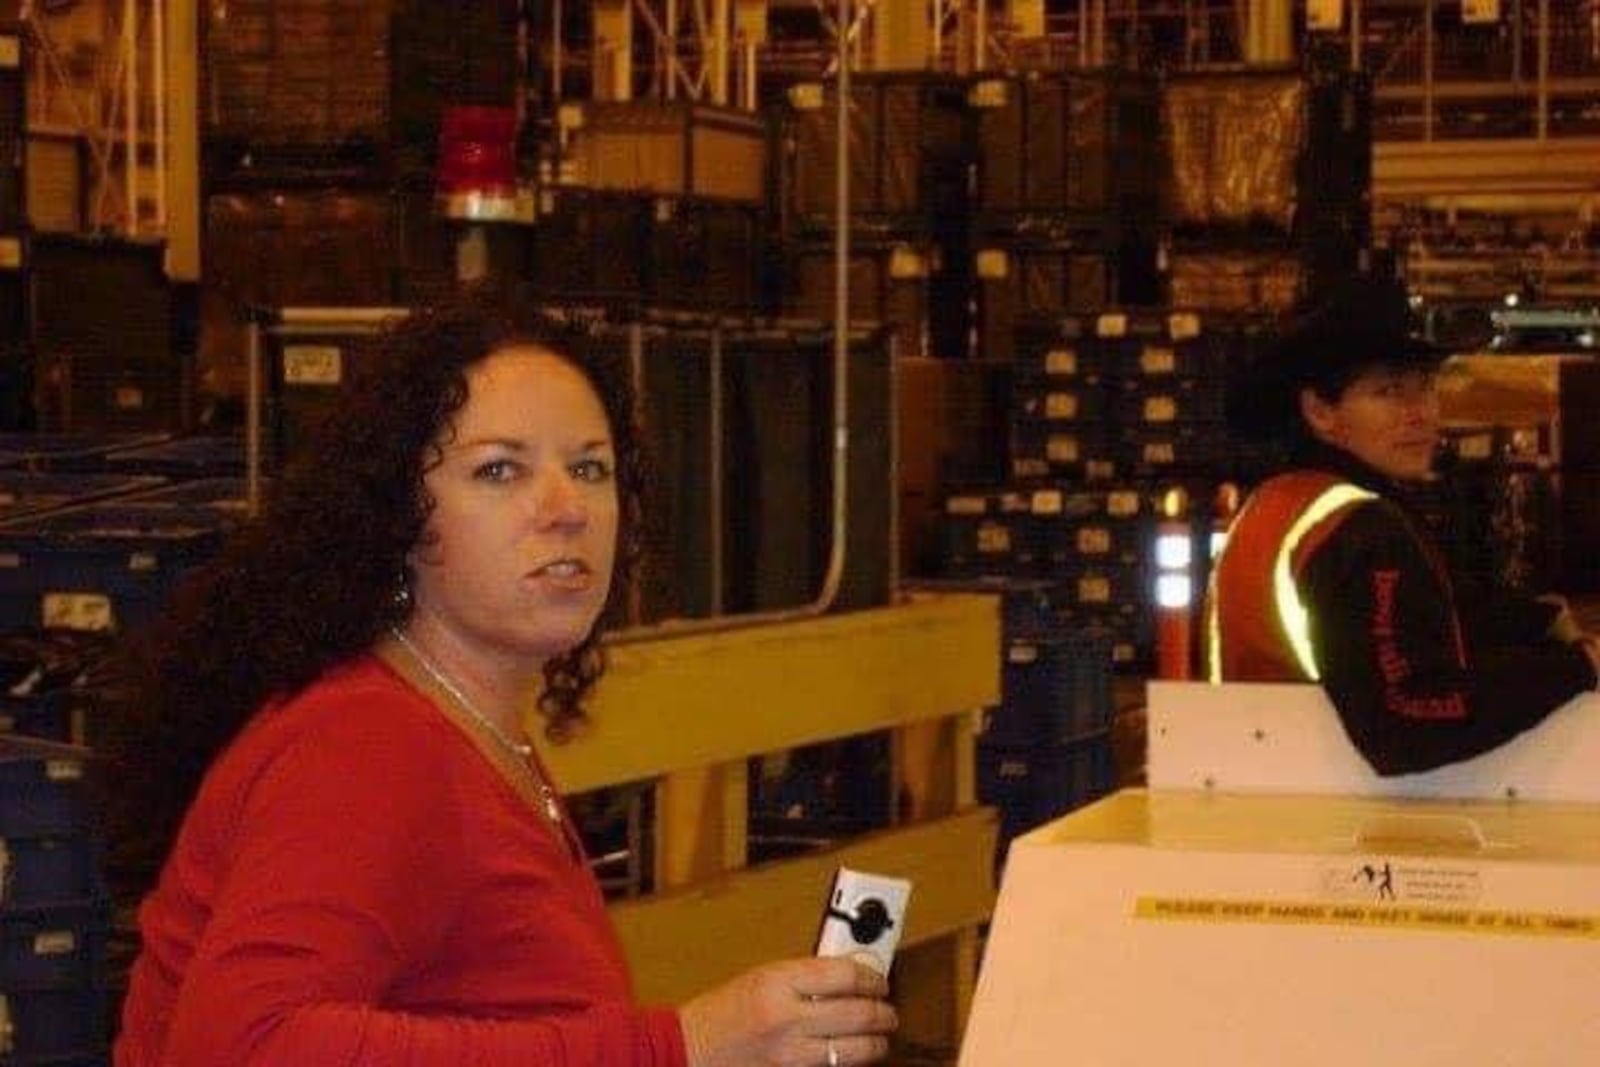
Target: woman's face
516 559
1388 418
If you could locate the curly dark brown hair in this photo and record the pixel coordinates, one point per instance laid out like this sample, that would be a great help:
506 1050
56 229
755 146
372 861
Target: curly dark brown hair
312 582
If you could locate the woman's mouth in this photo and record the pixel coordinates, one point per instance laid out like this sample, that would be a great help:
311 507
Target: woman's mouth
567 574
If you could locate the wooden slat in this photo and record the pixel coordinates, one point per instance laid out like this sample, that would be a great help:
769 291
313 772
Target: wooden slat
702 823
696 701
682 943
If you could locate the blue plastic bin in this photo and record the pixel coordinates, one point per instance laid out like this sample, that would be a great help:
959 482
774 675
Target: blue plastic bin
102 566
1031 785
56 1027
1053 689
48 715
41 797
50 873
54 948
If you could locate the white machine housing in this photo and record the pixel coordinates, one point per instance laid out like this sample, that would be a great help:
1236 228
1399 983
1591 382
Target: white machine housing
1271 900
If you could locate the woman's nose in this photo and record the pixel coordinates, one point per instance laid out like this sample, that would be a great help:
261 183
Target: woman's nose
559 499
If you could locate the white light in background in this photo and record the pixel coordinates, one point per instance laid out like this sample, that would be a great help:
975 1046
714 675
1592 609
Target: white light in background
1174 552
1174 591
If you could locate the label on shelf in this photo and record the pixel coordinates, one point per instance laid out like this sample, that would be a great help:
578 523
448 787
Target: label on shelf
1158 359
994 539
313 365
1061 361
1094 541
87 612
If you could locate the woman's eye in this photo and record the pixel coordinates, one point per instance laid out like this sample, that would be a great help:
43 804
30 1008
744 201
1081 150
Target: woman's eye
591 470
495 470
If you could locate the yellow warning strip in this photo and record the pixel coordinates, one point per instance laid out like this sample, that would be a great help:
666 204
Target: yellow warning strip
1369 916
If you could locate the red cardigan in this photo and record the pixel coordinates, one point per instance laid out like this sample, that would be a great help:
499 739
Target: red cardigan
356 884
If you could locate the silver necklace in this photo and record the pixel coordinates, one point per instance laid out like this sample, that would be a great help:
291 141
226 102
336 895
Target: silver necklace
520 749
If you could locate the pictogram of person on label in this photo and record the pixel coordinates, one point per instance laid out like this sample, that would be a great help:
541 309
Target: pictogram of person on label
1382 878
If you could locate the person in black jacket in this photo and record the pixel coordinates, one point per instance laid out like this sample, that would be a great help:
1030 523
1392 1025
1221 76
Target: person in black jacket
1328 577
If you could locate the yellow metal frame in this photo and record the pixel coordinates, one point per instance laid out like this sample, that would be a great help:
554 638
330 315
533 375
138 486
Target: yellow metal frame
688 713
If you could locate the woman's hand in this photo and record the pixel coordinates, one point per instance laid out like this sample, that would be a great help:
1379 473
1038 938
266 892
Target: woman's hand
796 1013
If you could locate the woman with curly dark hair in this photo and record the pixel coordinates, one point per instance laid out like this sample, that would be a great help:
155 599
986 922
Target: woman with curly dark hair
375 867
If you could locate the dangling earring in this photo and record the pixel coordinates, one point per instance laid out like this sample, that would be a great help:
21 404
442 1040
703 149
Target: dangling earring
400 597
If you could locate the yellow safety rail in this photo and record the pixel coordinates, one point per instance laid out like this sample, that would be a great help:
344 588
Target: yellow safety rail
688 713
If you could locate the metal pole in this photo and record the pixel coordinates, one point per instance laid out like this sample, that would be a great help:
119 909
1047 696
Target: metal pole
1189 36
980 36
636 373
1083 33
717 430
1099 33
252 419
752 95
1544 70
1131 57
182 136
1355 34
841 188
669 44
557 55
1427 70
130 114
841 322
719 52
158 74
1516 43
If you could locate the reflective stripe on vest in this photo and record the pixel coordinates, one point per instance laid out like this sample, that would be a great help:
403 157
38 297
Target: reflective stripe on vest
1292 614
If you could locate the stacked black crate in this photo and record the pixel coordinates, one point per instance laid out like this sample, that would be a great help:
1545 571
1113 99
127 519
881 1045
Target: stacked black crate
103 336
1096 542
1061 402
628 251
16 369
1170 373
297 142
1068 204
695 177
909 157
1118 424
1270 185
1045 749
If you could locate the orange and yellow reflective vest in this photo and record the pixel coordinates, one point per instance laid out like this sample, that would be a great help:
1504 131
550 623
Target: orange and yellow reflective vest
1257 626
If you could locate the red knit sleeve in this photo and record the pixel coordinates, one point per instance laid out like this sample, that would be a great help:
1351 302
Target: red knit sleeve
344 874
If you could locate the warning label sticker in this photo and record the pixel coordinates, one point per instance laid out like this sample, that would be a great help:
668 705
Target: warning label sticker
1376 880
1371 916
